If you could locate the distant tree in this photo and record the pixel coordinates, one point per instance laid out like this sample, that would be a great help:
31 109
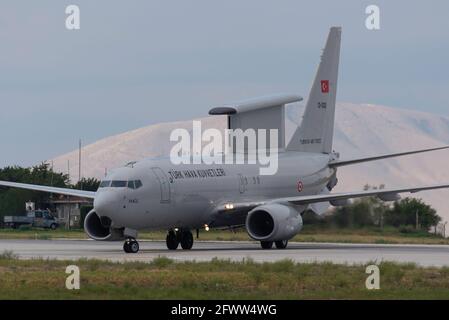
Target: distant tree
366 211
356 214
309 217
404 213
88 184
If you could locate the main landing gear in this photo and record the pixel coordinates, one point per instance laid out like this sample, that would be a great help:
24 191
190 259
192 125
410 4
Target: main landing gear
282 244
182 236
131 245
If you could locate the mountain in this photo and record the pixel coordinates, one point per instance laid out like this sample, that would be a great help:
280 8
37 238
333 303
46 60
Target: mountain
360 130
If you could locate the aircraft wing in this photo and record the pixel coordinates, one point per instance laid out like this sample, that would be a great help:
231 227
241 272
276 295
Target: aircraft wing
64 191
303 200
358 194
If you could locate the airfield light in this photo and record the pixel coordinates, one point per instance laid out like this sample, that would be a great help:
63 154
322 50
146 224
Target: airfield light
229 206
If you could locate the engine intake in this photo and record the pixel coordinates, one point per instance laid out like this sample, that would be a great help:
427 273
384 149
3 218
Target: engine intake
273 222
99 228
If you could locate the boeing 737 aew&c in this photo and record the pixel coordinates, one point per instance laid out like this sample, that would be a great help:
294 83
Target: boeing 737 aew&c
157 194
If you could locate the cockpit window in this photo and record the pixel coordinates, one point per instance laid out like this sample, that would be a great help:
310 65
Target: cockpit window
134 184
105 184
137 184
118 184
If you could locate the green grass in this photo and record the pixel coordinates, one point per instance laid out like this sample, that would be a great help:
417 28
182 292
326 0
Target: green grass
163 278
41 234
310 233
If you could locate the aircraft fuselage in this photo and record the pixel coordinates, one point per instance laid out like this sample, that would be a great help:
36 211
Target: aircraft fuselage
187 195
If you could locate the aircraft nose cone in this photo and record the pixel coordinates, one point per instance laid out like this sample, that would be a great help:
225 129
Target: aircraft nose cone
104 204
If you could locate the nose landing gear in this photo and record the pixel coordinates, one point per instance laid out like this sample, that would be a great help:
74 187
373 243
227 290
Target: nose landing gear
183 237
282 244
131 245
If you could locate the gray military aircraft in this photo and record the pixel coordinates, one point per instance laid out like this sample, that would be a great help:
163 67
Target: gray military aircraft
156 194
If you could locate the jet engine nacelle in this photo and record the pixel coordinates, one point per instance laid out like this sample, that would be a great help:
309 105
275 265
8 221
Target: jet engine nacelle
340 202
99 228
273 222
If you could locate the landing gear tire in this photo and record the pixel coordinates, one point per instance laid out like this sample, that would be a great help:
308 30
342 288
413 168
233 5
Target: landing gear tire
172 240
186 240
282 244
266 244
131 246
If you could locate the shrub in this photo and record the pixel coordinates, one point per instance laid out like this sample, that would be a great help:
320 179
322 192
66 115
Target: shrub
407 229
8 255
404 212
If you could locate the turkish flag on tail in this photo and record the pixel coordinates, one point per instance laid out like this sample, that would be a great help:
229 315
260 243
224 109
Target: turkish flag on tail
325 86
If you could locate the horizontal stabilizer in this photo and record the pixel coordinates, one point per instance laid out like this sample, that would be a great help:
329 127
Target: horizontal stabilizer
340 163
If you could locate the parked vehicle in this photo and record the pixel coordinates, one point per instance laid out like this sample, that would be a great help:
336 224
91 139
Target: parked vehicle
37 218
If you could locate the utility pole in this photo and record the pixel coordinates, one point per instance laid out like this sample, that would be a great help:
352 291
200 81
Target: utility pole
79 166
68 169
69 214
68 198
51 182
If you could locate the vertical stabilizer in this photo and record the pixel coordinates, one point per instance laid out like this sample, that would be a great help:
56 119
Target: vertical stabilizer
317 127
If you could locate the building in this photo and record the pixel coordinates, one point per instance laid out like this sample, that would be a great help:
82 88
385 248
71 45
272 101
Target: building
68 209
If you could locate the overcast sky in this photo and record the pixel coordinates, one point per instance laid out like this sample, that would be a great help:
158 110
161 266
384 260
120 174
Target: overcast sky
135 63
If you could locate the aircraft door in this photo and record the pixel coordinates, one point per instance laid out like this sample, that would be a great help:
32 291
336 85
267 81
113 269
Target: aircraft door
164 184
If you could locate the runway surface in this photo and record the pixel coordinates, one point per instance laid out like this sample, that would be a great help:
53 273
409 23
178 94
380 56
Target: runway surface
425 255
